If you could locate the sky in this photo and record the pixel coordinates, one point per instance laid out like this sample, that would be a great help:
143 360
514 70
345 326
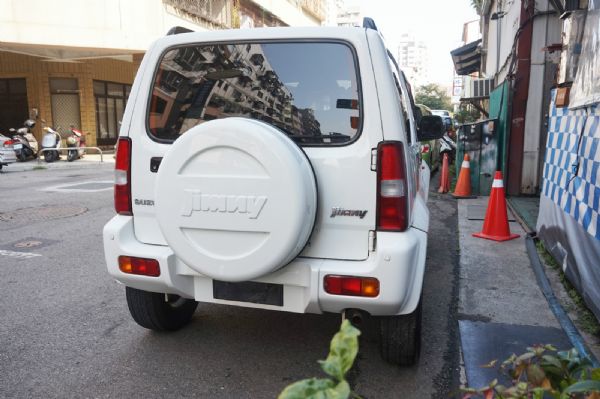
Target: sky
439 23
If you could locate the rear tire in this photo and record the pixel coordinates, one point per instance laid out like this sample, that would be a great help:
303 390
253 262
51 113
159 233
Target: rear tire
400 337
48 156
150 309
21 156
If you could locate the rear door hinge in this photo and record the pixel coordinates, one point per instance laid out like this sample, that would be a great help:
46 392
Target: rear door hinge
374 159
372 240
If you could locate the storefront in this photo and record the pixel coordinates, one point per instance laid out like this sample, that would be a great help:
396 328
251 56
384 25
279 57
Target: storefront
88 94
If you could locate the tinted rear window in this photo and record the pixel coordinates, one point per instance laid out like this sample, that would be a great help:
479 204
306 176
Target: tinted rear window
308 90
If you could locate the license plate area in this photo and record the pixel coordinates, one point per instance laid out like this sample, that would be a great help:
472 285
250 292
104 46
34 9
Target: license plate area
249 291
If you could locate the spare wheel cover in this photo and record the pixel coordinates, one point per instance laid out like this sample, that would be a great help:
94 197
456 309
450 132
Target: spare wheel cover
235 199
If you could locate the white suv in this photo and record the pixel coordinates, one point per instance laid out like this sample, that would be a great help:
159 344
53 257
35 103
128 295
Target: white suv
273 168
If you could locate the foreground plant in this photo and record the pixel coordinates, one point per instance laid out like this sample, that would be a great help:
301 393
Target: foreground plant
542 372
342 352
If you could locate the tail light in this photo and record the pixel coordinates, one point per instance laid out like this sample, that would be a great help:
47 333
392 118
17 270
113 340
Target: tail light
141 266
392 191
351 286
8 143
123 177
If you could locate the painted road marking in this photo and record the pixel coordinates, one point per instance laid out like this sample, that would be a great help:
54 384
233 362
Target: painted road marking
18 255
92 186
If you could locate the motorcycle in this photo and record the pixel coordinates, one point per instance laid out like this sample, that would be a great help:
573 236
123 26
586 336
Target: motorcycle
51 140
25 144
448 146
75 141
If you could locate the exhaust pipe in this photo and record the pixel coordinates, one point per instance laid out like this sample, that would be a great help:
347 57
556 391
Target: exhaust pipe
355 316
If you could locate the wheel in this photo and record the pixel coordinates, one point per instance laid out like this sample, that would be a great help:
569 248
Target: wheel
21 156
49 156
400 337
72 155
158 312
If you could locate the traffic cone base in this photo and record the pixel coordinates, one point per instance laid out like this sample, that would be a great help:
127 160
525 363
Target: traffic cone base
496 238
463 184
495 225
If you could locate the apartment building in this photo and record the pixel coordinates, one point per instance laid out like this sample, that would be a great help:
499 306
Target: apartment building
413 59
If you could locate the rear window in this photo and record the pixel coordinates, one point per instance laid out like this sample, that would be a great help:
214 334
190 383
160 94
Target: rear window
308 90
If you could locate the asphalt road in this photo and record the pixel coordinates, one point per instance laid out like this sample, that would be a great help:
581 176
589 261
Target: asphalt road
65 330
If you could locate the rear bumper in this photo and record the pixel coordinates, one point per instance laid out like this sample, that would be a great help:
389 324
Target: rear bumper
398 264
7 156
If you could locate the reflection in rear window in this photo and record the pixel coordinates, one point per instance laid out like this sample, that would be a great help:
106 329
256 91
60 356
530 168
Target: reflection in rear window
308 90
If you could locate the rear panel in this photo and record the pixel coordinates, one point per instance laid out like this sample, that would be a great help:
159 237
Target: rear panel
318 88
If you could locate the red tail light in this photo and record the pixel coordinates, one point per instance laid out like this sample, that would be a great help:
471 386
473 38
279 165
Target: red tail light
351 286
123 177
142 266
392 191
8 143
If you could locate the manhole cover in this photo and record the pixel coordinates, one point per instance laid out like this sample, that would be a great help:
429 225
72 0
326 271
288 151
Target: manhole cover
27 244
41 213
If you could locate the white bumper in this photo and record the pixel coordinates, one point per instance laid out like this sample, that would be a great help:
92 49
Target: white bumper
398 264
7 156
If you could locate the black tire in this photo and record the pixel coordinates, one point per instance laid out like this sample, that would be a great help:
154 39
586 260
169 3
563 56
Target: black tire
21 156
49 156
71 155
400 338
151 310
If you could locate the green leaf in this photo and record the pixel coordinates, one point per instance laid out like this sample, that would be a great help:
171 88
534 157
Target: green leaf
583 386
552 361
307 389
596 374
342 390
342 351
524 357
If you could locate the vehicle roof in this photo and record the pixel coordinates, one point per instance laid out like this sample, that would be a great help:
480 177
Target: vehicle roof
276 33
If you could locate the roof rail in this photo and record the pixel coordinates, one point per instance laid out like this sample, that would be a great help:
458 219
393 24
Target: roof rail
369 23
177 30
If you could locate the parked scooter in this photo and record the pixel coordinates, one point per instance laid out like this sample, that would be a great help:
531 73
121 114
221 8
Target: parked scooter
25 144
51 140
75 141
447 146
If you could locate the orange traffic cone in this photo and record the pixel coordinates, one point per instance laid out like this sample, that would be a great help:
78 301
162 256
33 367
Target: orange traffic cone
463 184
445 177
495 225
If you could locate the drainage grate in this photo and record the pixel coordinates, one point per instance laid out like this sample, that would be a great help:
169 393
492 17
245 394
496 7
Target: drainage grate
41 213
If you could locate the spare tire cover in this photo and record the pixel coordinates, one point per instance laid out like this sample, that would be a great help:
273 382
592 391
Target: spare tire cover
235 199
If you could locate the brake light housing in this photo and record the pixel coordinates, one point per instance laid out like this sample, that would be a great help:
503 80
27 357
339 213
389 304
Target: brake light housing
123 177
351 286
392 188
140 266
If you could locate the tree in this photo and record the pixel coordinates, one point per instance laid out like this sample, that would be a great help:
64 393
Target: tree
433 96
476 4
467 114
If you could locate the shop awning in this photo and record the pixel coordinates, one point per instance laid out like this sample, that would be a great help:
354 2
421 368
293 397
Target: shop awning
467 58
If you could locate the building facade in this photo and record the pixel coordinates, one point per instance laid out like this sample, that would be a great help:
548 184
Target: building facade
77 68
413 58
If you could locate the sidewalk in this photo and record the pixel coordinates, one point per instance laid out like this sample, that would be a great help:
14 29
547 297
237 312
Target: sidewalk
107 160
502 310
